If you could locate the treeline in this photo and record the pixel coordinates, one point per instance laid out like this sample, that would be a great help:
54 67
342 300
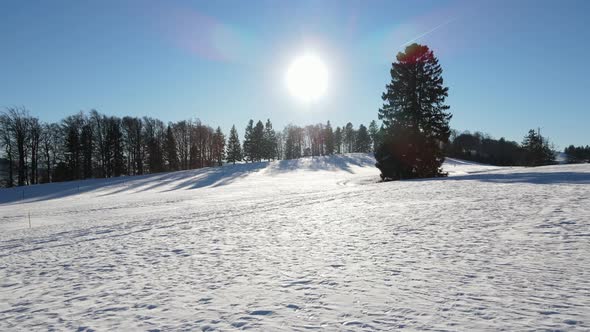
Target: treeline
323 139
94 145
578 154
535 150
262 142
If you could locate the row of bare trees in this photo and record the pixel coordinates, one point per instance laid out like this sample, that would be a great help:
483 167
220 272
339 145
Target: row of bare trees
23 139
94 145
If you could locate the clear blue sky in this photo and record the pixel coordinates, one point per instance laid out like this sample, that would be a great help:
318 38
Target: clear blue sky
510 65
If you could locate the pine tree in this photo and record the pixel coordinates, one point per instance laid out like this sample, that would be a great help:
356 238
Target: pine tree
248 144
234 149
414 116
257 147
363 140
218 146
270 141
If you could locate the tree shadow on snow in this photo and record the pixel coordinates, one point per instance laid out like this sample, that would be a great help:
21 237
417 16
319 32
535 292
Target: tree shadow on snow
219 176
49 191
527 177
332 163
189 179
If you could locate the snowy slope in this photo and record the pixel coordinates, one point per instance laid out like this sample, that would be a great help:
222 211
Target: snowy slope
300 245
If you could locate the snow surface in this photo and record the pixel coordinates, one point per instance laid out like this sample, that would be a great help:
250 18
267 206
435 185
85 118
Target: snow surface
310 244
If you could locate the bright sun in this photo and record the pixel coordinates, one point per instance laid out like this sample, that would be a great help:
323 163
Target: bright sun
307 78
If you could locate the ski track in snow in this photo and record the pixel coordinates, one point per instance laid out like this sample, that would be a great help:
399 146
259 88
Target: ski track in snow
313 244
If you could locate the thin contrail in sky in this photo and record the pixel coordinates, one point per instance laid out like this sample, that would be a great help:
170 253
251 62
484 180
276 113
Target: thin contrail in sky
428 32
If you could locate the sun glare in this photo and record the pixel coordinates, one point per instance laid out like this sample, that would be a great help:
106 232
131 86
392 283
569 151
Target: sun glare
307 78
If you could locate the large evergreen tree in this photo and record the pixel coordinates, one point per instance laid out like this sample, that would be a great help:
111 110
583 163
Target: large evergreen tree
415 117
234 149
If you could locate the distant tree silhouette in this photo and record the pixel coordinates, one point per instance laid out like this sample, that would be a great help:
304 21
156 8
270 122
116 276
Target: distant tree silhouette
269 141
72 126
50 142
87 147
482 148
115 147
170 150
218 147
132 129
280 145
294 142
374 135
349 137
338 140
329 139
248 141
577 154
234 149
414 117
363 140
34 142
257 147
314 140
21 131
537 150
7 143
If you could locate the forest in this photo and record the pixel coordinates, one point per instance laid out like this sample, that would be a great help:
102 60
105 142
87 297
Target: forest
94 145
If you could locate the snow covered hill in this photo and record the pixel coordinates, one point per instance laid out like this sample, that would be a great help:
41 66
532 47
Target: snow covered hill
300 245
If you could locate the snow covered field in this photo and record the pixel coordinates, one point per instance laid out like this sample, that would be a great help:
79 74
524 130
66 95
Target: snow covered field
300 245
